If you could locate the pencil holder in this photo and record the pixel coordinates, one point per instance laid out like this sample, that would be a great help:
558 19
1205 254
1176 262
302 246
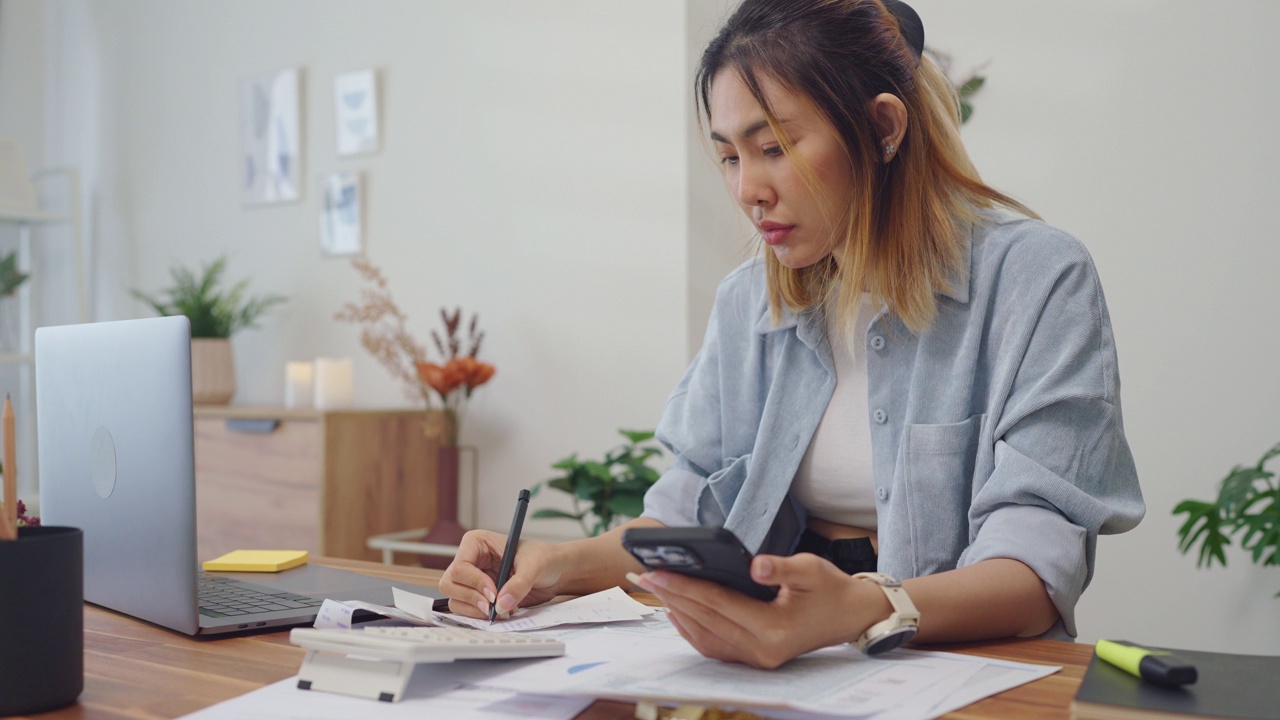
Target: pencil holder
41 619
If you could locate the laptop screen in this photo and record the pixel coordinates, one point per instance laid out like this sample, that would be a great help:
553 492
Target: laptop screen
114 432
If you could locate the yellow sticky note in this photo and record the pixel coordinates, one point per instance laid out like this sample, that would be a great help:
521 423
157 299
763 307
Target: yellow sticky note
257 561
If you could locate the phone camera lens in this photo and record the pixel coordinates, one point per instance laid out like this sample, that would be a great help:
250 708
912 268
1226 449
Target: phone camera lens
650 557
675 556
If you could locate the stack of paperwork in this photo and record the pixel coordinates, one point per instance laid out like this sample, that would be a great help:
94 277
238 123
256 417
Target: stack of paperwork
618 648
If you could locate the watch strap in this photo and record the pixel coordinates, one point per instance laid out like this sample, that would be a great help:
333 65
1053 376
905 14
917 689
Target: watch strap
901 625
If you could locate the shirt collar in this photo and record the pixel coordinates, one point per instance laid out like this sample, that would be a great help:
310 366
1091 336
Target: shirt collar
812 320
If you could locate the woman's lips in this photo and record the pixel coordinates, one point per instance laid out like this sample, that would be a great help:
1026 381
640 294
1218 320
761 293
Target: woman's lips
775 233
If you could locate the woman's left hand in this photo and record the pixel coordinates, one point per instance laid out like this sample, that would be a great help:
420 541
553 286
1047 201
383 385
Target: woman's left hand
817 606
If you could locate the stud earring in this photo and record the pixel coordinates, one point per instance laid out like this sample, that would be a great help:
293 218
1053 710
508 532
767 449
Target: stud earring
889 150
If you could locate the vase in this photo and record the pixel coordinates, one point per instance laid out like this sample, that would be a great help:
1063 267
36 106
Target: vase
213 371
446 530
41 619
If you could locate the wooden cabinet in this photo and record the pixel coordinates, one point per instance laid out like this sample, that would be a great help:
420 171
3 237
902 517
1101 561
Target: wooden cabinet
321 481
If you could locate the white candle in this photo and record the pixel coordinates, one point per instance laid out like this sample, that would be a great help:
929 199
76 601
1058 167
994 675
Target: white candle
299 378
333 383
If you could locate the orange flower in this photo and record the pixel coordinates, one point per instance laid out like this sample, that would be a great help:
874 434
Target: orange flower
443 380
474 372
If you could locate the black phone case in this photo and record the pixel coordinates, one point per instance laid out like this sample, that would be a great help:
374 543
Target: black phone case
710 553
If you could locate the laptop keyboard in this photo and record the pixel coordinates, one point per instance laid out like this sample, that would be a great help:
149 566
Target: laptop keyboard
226 597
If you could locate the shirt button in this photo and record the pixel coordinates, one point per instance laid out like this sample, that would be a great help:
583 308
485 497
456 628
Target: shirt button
877 342
882 493
880 416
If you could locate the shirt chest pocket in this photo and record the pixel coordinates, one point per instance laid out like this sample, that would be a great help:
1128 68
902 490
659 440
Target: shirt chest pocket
938 482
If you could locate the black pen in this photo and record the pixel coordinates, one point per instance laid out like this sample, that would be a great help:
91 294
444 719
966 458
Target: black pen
509 555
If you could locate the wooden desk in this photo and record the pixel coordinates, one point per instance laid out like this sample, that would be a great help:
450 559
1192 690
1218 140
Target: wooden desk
137 670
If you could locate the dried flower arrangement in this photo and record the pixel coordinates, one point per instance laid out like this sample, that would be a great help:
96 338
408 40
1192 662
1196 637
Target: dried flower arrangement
25 520
386 336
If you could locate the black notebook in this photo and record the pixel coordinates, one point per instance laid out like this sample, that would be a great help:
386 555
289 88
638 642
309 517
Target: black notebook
1229 686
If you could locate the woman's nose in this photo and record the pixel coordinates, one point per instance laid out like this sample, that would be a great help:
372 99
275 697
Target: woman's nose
754 187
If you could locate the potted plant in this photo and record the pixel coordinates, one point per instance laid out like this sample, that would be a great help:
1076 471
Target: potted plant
215 316
605 492
1248 502
11 278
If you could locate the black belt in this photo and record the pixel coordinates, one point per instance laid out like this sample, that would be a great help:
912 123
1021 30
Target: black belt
852 555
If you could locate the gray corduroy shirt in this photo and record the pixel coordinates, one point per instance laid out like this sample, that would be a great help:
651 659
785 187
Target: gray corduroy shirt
997 433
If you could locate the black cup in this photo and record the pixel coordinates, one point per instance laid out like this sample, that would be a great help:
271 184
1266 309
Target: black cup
41 619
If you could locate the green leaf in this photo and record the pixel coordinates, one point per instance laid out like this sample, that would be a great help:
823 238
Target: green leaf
563 484
1203 525
644 473
637 436
966 111
568 463
629 505
588 485
10 276
1238 487
557 514
971 86
1274 451
599 471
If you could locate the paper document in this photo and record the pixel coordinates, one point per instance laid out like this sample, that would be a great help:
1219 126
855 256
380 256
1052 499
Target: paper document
606 606
442 691
643 661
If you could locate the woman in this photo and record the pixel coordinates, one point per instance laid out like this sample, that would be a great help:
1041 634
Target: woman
907 380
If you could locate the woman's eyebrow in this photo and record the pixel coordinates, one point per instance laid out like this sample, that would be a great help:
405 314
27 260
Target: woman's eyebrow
747 132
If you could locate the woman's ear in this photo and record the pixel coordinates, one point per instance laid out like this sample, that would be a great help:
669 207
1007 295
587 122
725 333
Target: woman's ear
890 118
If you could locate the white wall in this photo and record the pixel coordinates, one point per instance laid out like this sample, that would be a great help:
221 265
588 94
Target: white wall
719 236
1147 129
531 171
535 169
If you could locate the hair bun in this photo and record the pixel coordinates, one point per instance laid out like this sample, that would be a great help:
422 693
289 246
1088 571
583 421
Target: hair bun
909 24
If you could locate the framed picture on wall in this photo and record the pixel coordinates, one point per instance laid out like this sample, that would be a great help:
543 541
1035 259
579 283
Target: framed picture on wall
271 138
340 221
355 97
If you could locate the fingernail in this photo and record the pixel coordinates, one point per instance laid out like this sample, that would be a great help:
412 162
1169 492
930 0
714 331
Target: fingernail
506 604
641 580
489 595
484 606
658 579
764 568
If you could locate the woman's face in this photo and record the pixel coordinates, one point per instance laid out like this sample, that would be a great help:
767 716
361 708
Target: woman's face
799 225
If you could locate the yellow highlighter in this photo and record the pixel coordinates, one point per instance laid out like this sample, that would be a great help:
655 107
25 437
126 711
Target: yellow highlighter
1155 666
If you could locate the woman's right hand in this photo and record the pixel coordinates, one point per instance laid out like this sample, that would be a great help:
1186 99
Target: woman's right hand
471 579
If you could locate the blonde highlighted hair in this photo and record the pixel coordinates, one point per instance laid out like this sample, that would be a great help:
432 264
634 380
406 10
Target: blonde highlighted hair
905 228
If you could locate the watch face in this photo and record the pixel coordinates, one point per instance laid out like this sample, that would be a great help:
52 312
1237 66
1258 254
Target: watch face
891 640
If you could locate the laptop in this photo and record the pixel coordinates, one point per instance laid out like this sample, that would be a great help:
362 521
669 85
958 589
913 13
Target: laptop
116 450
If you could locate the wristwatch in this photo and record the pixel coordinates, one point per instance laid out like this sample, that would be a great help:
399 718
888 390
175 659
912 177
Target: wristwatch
899 627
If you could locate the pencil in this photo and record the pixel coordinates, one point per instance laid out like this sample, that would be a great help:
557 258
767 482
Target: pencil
10 518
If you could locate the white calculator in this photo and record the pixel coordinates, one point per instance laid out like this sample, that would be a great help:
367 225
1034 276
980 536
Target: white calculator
377 662
426 644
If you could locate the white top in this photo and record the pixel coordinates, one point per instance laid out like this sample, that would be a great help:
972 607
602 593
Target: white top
835 481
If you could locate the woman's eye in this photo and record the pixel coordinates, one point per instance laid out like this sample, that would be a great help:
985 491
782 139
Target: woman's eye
729 160
775 151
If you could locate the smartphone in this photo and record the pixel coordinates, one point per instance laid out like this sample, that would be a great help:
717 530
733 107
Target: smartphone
710 553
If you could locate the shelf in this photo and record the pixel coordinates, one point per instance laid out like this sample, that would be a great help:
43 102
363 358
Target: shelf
33 218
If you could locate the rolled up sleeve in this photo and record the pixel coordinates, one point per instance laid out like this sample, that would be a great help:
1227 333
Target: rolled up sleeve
1062 472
